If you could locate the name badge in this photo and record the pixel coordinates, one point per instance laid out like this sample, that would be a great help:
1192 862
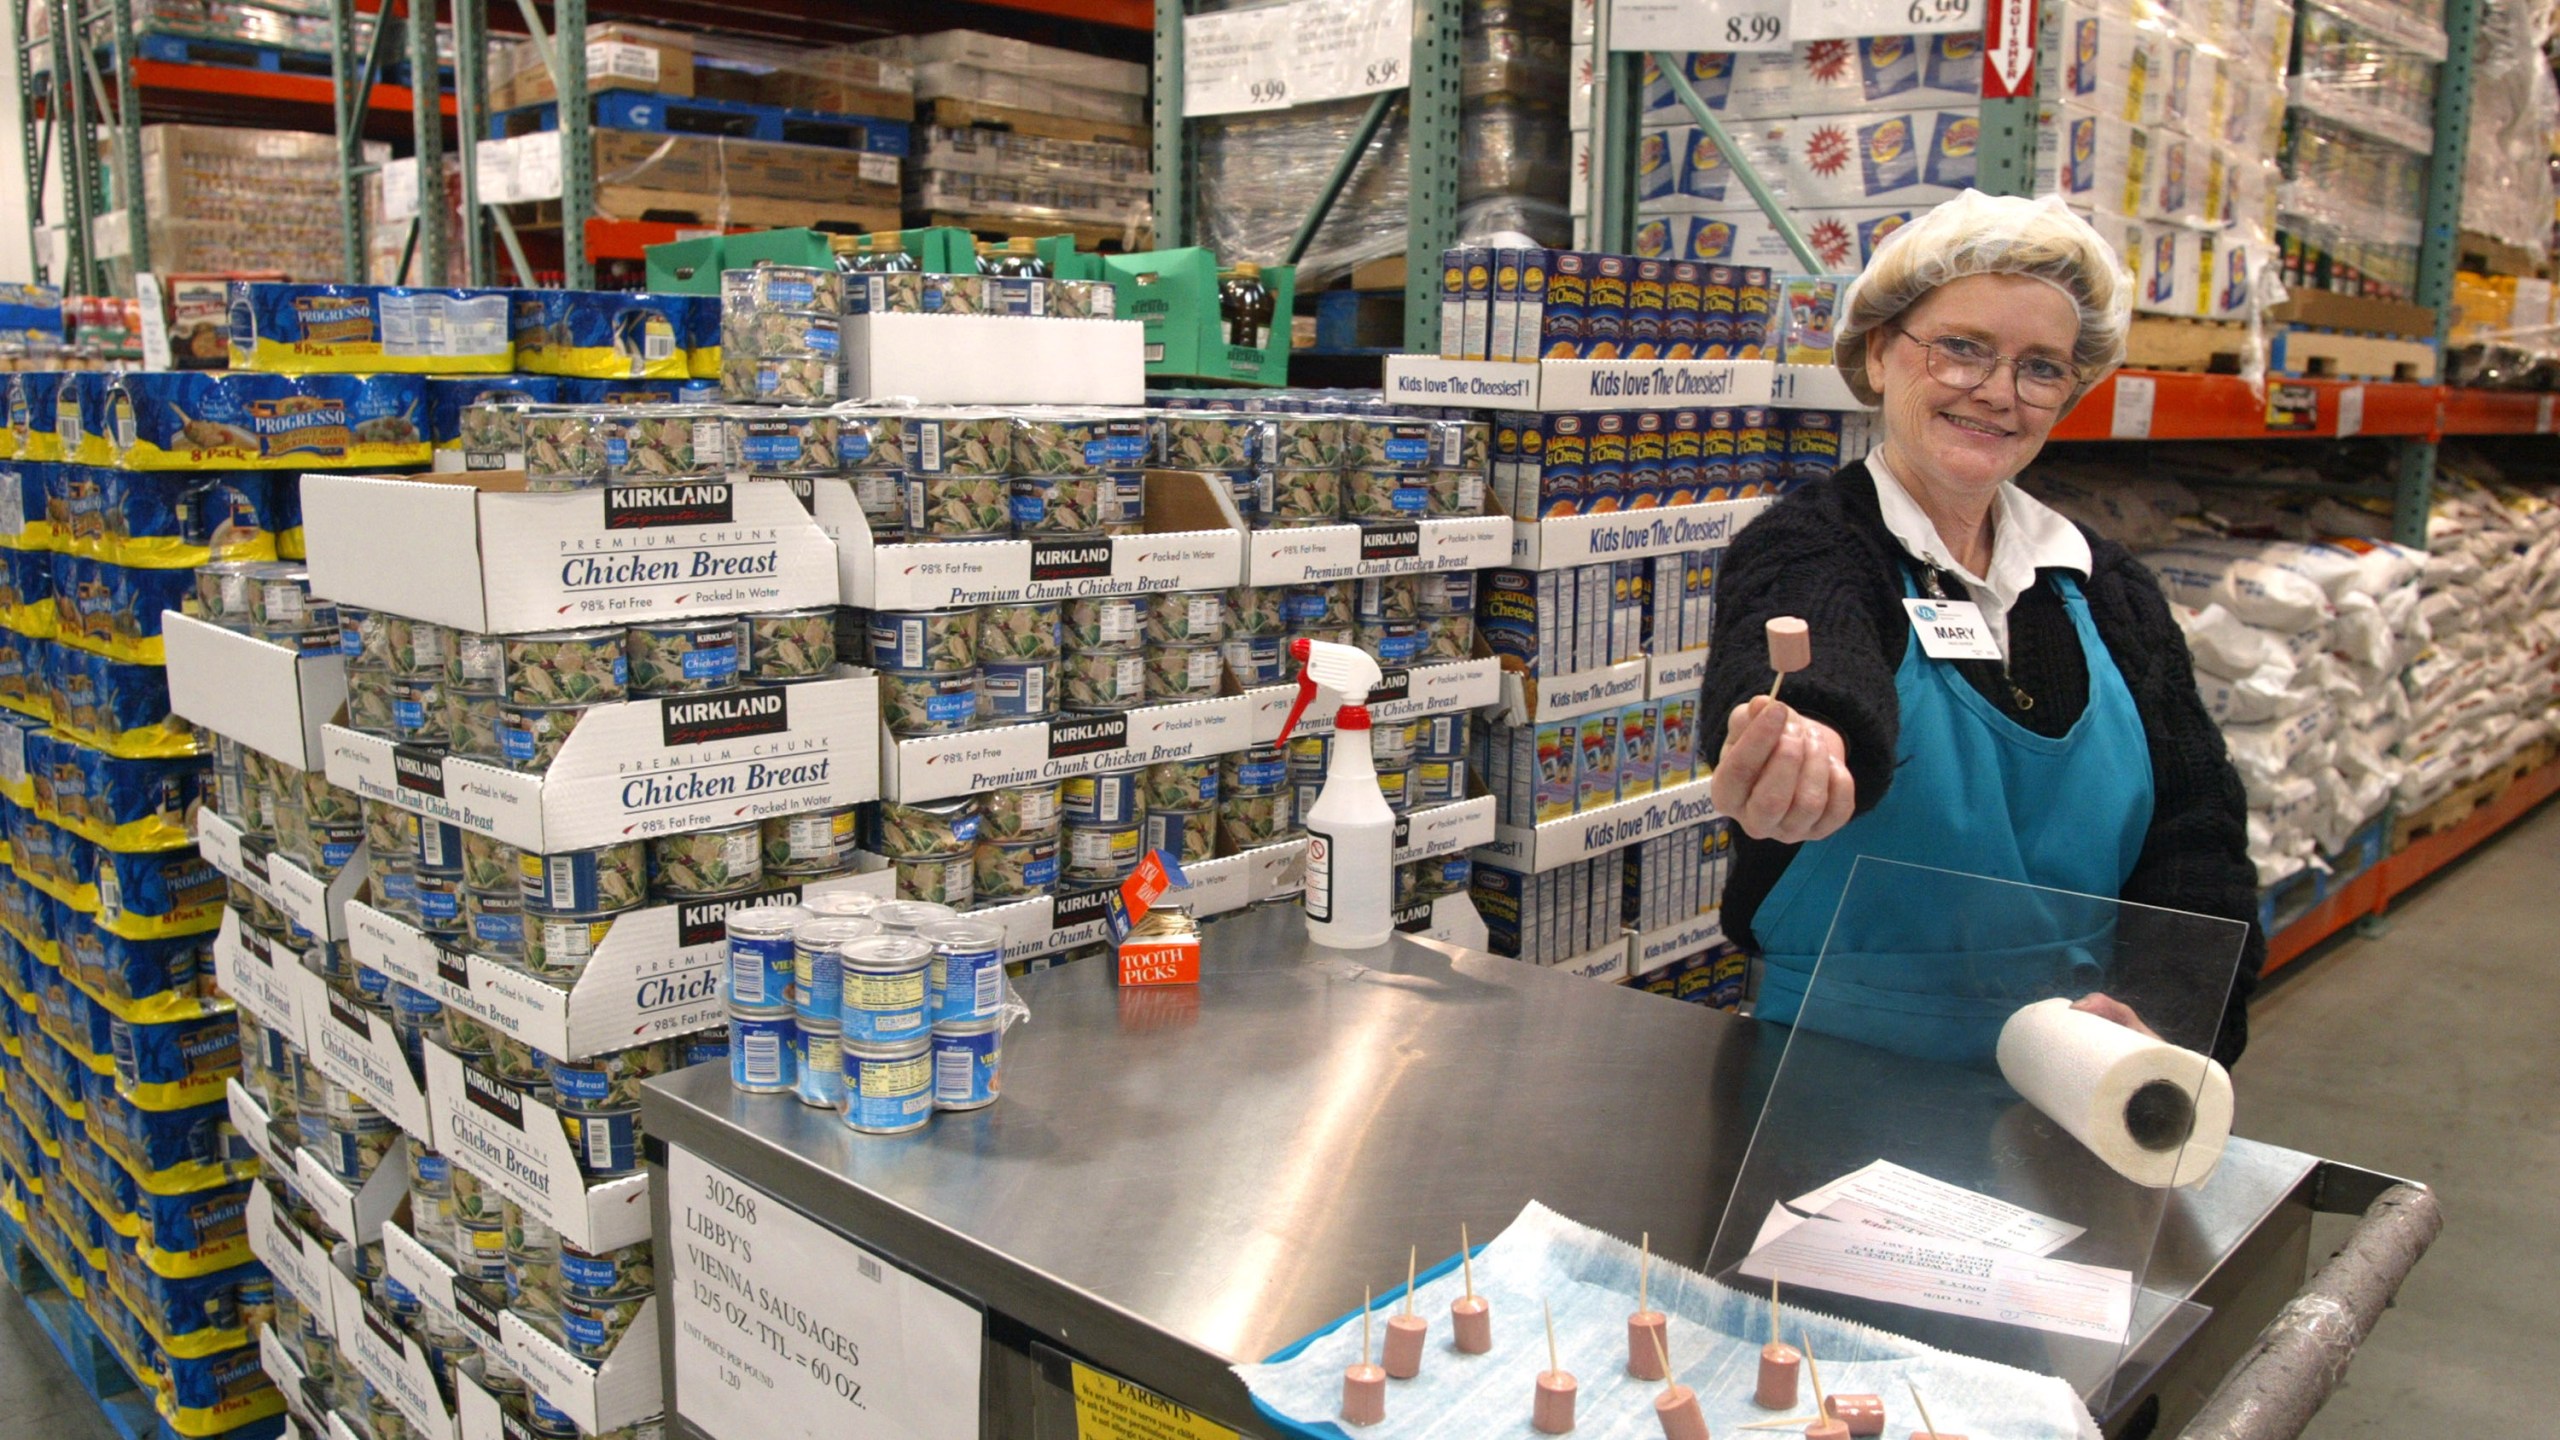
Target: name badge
1951 630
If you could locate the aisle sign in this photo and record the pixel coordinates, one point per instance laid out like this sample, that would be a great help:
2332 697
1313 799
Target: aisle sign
1734 25
1236 61
2009 50
785 1330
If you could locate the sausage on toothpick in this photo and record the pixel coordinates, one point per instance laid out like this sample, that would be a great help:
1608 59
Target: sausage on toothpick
1824 1427
1470 1319
1405 1332
1648 1330
1779 1365
1929 1428
1790 648
1676 1408
1364 1386
1553 1411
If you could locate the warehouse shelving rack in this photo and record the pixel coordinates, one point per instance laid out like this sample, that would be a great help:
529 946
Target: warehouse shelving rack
1431 153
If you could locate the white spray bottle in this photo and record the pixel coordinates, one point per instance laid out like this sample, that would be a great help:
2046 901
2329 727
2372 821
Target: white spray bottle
1351 834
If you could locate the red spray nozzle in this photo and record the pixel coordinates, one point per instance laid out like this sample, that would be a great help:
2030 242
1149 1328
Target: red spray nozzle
1298 649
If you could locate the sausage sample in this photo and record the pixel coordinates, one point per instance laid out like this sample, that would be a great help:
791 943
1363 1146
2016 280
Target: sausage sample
1677 1409
1790 644
1471 1324
1780 1370
1364 1386
1553 1411
1863 1414
1648 1342
1404 1345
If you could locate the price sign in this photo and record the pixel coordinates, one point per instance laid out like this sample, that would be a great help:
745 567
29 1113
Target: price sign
785 1330
155 324
2350 411
1238 61
2135 397
1846 19
1350 47
538 165
400 189
1735 25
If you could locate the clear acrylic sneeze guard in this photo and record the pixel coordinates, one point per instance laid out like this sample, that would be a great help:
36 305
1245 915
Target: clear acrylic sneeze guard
1896 1178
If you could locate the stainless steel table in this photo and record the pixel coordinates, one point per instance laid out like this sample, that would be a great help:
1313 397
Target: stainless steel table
1177 1179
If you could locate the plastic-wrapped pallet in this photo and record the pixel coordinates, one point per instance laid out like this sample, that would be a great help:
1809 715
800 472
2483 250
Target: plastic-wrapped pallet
1259 174
2484 690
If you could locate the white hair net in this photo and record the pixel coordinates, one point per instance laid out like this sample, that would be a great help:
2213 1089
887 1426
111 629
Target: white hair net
1978 234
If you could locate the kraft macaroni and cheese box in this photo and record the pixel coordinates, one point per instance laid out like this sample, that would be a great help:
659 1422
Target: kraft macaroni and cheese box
1529 318
368 329
1604 475
1753 300
1812 446
1683 293
1648 440
1639 736
1477 295
1502 896
1719 293
1756 452
1717 457
1522 617
1453 302
1604 307
1647 284
1559 448
1506 304
211 420
1683 456
1677 758
1563 331
1596 760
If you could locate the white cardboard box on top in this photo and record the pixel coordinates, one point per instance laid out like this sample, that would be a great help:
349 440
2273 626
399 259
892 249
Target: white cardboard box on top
1190 543
476 552
1556 385
939 766
1527 698
272 699
517 1143
996 359
638 768
316 903
1437 688
297 1260
655 974
604 1397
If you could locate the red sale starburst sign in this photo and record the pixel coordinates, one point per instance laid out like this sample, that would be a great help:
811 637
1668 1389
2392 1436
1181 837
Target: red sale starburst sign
1827 150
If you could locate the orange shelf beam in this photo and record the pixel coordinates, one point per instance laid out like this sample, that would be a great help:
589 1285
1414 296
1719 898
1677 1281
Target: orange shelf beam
2223 407
2497 412
261 85
1127 14
630 239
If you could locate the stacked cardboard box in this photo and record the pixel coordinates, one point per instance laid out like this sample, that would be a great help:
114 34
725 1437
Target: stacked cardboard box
1022 136
215 195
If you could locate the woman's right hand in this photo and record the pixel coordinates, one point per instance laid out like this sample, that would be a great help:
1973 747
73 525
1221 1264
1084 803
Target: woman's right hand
1782 776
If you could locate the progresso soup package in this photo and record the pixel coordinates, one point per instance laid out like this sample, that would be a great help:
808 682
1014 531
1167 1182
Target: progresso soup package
225 1395
31 413
149 978
157 894
197 1233
168 1064
119 803
368 329
192 1316
168 1152
602 335
196 420
181 519
119 708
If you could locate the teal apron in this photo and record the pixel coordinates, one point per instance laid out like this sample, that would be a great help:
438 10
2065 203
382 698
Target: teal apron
1922 963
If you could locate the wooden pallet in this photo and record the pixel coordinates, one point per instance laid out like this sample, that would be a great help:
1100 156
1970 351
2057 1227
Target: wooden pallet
2169 342
2320 310
999 227
2482 255
2452 810
2324 355
683 207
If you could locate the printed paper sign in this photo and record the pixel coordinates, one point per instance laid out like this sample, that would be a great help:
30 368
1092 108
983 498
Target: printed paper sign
785 1330
1237 61
1350 47
2135 396
1852 1249
1934 1207
1702 25
1848 19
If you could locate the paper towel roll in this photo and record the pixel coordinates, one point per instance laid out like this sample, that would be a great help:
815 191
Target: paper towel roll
2128 1097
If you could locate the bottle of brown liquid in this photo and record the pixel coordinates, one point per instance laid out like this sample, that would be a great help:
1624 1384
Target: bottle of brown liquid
1247 306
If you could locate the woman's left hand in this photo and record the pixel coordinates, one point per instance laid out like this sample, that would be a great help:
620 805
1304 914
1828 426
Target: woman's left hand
2108 1007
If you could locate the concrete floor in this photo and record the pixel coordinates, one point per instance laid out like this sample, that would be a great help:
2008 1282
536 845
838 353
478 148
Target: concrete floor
2431 1051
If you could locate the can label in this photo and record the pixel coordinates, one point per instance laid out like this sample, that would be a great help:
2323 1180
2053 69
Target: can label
968 983
821 1077
885 1094
964 1067
761 1060
761 971
607 1142
887 1006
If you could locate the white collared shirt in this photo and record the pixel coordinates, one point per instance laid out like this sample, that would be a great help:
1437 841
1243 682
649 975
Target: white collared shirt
2027 535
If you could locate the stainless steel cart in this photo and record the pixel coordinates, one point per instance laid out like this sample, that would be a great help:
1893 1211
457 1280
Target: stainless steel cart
1180 1178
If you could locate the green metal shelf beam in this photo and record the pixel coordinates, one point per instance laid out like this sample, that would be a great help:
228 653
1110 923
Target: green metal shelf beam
2438 249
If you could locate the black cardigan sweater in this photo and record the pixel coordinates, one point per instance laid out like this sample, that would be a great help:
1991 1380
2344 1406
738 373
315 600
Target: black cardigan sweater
1824 553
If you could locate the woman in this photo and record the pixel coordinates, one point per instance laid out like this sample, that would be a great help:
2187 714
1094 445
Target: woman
2081 759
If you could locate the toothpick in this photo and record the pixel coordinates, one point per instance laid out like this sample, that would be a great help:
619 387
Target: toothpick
1822 1407
1779 1424
1411 1251
1554 1366
1366 1299
1926 1423
1665 1356
1774 684
1773 1312
1466 1260
1644 1276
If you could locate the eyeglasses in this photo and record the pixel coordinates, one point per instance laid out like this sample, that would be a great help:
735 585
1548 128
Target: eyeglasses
1964 364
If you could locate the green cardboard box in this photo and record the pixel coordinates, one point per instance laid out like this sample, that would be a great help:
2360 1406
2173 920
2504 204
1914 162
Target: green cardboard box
1174 293
778 247
687 267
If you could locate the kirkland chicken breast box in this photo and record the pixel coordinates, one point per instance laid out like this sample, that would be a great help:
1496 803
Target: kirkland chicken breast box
475 551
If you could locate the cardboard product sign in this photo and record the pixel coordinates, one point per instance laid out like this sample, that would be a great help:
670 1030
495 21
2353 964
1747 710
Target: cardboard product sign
263 979
641 768
940 766
518 1144
272 699
475 551
1600 830
1192 542
356 1048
